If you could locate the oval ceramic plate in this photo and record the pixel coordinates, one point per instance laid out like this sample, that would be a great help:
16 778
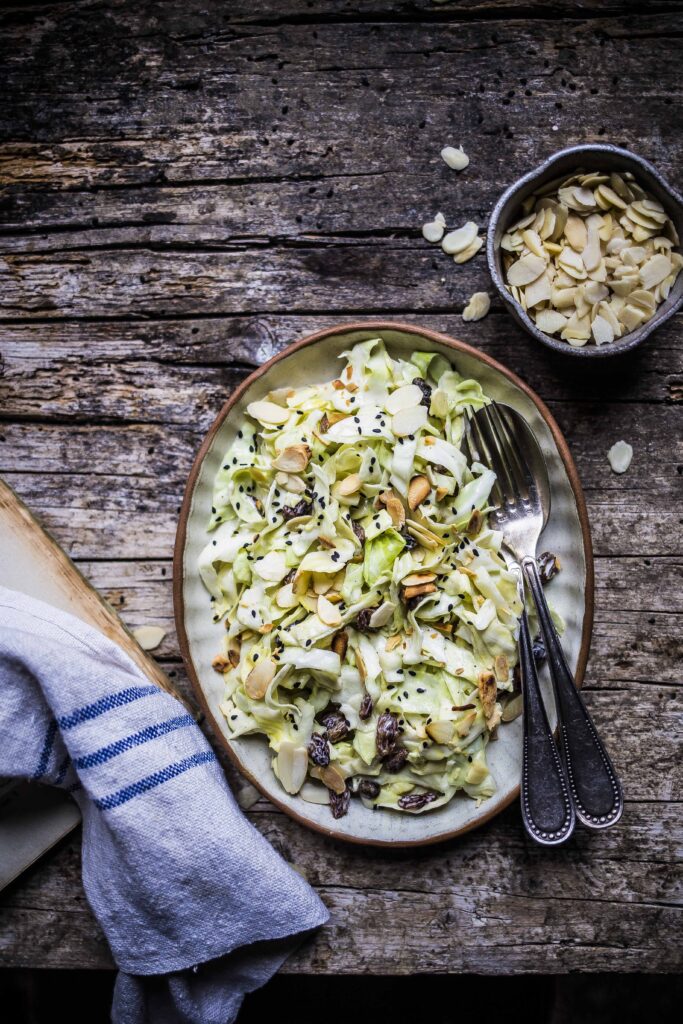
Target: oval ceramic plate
571 592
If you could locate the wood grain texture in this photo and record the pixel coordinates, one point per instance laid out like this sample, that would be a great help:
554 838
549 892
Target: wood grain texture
186 188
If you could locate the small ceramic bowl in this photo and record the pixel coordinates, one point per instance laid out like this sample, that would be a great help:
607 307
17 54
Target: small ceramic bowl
508 209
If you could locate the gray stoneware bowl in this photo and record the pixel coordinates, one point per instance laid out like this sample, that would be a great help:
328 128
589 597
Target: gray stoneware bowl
589 158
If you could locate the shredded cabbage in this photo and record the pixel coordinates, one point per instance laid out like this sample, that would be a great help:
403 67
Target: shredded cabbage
367 636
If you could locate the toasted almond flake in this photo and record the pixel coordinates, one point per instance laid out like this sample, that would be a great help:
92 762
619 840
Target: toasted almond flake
477 307
461 239
268 412
233 650
394 507
360 664
423 588
340 643
526 270
409 421
149 637
328 613
620 455
221 663
418 490
513 709
406 397
456 159
349 485
416 579
440 732
501 668
331 776
260 678
533 242
475 524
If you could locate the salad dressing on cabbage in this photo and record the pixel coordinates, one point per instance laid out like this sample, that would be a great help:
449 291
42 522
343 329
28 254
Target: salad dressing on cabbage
370 619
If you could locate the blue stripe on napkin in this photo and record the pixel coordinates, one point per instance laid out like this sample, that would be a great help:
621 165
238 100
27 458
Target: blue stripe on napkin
144 736
107 803
112 700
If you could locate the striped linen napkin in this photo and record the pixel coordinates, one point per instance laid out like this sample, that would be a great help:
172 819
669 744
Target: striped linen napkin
197 907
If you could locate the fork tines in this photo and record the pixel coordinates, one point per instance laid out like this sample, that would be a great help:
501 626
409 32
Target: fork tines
491 439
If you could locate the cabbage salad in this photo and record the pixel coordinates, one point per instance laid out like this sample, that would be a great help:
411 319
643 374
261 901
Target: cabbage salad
370 619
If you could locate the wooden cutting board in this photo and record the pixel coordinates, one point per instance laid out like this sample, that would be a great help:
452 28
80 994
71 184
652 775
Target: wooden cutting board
32 817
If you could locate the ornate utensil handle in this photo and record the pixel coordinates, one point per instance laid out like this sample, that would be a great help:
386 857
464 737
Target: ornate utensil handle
593 782
547 808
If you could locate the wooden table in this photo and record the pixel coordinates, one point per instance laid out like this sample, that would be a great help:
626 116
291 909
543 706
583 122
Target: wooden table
187 187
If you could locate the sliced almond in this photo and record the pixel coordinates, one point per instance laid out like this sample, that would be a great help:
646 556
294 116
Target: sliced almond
149 637
416 579
469 252
268 412
393 642
260 678
487 692
394 507
221 663
501 668
360 664
458 241
382 615
405 397
328 613
655 270
349 485
233 651
286 598
475 524
575 232
292 766
549 321
409 421
424 588
293 459
441 732
477 307
418 490
526 270
331 777
340 643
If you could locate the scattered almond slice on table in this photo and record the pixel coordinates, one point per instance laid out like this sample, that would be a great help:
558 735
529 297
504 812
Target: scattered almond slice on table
149 637
456 159
592 258
477 307
620 455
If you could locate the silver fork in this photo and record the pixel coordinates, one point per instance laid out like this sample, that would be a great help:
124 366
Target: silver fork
501 439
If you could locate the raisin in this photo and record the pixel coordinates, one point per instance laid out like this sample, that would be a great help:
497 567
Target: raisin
362 622
358 530
324 424
302 508
339 803
425 388
548 566
369 789
336 725
387 733
539 651
319 750
394 762
416 801
366 706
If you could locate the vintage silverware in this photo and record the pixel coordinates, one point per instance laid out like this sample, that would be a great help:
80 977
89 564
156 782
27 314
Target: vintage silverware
505 442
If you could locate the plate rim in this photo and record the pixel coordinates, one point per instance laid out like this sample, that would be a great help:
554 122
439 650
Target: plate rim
181 538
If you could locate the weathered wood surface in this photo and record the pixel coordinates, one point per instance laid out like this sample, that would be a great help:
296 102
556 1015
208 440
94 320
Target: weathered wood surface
185 188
